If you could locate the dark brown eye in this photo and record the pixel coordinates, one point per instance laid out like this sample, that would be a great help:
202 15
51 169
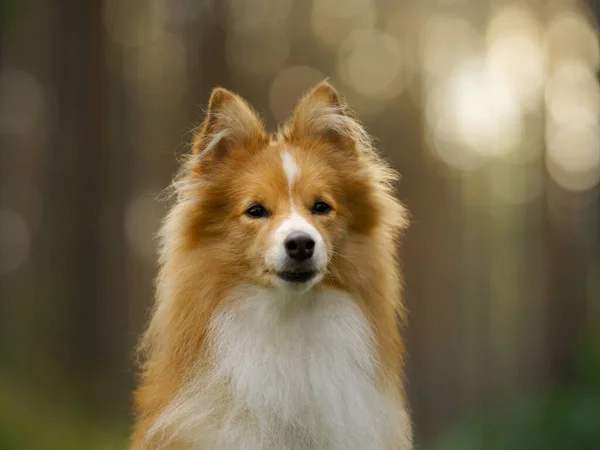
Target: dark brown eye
321 208
257 211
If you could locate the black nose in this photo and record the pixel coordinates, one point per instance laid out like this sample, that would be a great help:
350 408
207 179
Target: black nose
299 246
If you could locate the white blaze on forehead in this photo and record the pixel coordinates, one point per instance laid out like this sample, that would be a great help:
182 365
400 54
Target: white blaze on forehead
290 168
276 256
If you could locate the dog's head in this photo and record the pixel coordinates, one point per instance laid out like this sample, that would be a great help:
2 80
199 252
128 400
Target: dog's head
292 209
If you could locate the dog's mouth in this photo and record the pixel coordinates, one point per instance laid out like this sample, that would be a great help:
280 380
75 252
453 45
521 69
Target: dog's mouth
297 276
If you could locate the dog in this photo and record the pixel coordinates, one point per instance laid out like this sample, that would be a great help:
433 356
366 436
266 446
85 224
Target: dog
275 325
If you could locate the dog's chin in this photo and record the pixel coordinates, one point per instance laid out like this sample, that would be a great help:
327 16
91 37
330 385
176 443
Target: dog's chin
297 280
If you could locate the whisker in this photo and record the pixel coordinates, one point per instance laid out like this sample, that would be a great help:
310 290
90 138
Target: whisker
344 257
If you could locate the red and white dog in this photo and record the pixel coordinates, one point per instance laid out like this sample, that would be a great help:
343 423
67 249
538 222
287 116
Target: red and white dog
275 324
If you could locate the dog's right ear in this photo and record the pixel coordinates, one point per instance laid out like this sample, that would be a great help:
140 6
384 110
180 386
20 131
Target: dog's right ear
230 125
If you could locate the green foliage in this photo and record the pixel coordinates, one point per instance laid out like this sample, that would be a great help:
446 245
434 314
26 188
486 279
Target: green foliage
27 423
568 418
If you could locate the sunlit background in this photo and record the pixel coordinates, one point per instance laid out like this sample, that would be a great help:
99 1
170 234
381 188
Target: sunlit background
489 109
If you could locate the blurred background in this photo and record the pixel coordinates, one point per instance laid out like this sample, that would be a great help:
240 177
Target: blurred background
489 109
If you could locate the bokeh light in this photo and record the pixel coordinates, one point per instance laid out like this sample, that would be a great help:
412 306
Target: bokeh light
372 63
516 54
483 97
487 113
447 40
573 155
476 110
570 35
572 97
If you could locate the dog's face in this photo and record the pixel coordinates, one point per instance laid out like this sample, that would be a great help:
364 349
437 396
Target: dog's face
289 209
280 210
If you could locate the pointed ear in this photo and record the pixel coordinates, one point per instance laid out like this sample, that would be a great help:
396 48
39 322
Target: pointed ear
322 113
230 123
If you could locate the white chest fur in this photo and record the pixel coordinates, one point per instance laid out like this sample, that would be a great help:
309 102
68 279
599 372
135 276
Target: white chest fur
299 372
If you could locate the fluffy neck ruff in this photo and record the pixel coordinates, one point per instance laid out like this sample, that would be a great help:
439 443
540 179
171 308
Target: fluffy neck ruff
287 371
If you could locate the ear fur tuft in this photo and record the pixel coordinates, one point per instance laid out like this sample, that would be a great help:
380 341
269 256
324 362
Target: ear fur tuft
322 113
230 122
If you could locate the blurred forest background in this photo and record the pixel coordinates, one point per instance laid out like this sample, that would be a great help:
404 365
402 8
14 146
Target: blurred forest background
489 109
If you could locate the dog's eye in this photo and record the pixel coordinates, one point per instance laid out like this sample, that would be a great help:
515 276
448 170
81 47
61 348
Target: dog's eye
256 211
321 208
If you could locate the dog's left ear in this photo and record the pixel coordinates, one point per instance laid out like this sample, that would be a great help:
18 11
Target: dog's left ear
323 114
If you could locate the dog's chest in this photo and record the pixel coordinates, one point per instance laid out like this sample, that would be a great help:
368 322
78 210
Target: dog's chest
299 375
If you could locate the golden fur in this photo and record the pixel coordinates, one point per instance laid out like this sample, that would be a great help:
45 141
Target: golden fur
209 247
